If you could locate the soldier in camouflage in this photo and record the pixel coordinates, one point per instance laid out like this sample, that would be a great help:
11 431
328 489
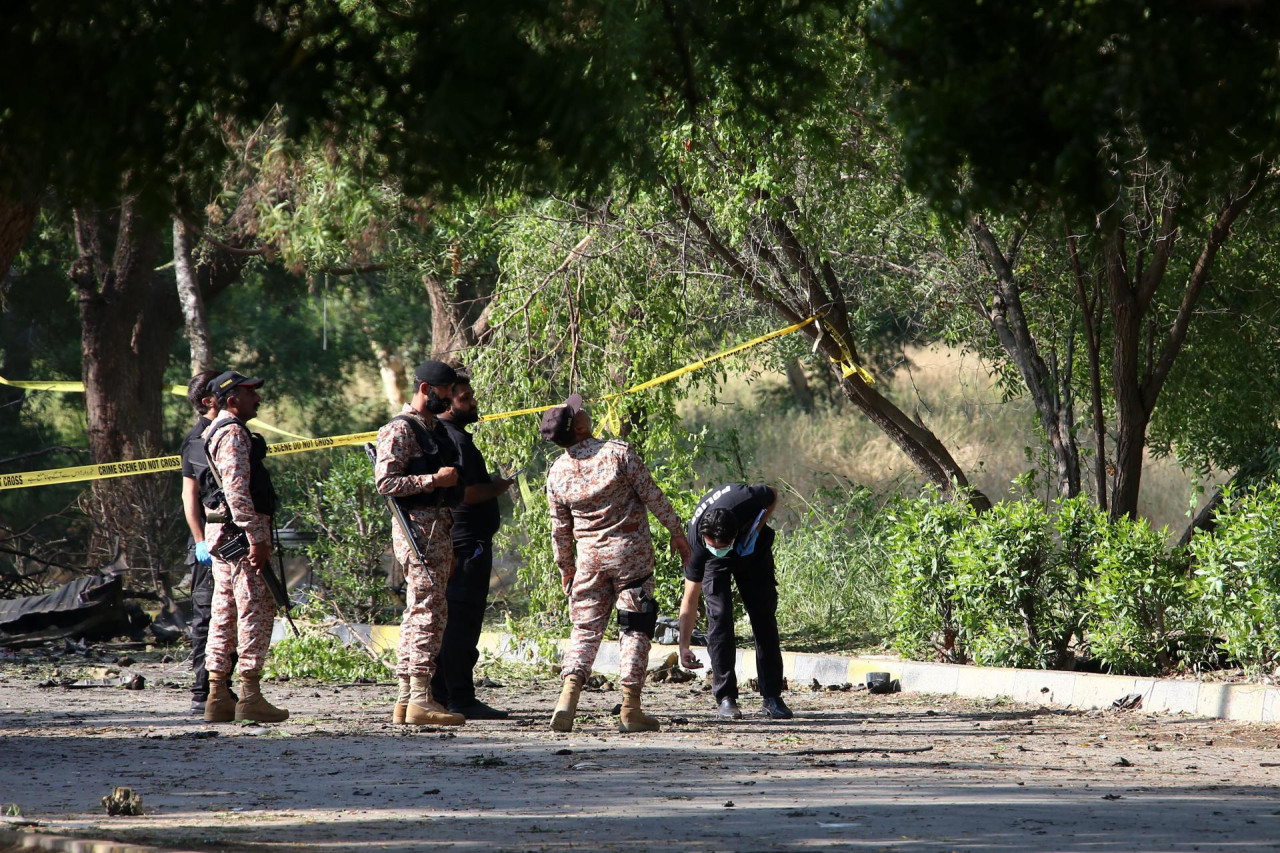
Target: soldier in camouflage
417 464
243 500
599 492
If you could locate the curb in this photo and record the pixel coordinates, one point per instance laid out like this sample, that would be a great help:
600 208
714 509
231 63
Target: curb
37 840
1254 703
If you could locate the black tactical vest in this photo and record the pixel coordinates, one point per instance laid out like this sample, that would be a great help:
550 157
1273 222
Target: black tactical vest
261 491
438 451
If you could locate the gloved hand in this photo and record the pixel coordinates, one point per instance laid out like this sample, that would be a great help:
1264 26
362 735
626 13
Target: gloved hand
747 544
203 557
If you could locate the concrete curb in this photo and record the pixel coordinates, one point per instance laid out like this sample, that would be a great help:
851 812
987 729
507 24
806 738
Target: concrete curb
1256 703
37 840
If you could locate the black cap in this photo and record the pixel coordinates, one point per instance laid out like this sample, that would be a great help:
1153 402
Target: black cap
220 386
557 423
435 373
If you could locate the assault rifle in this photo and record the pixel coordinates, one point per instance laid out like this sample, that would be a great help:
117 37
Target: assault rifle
397 512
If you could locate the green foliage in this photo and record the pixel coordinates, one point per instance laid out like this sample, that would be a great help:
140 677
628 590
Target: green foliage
918 543
1085 90
832 585
1144 613
353 527
1239 568
321 656
1017 585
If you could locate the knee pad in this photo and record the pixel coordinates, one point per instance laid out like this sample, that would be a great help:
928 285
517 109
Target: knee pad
644 621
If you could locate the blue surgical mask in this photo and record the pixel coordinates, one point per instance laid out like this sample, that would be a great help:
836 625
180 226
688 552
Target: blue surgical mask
720 552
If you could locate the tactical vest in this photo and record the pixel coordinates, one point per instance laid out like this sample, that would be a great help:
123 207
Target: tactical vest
437 452
261 491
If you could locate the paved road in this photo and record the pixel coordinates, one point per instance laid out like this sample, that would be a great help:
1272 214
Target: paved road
339 776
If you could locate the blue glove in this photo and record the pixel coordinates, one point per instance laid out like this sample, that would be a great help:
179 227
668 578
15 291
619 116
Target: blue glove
747 544
203 557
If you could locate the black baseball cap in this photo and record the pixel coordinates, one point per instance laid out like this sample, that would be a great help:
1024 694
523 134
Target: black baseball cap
435 373
557 423
220 386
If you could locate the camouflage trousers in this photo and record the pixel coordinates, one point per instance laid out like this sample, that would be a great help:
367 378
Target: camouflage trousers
592 599
243 613
426 609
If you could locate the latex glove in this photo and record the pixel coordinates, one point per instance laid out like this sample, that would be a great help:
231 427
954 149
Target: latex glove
747 544
203 557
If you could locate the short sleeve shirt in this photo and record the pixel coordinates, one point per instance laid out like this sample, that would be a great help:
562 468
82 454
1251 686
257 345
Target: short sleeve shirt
745 502
192 454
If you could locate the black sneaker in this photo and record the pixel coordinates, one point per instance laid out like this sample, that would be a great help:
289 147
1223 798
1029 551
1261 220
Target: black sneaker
728 709
774 708
477 710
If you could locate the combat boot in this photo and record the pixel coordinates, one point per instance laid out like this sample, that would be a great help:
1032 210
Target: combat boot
632 718
562 718
402 703
422 710
220 707
252 705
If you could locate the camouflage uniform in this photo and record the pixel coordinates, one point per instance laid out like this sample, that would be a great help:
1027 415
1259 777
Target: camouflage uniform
243 609
422 628
598 492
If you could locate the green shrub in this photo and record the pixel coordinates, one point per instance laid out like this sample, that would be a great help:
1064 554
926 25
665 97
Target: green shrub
1238 566
319 655
1143 604
918 544
1012 591
353 530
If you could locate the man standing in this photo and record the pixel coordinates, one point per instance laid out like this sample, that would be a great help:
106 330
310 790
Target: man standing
198 557
417 464
238 534
475 521
732 543
598 493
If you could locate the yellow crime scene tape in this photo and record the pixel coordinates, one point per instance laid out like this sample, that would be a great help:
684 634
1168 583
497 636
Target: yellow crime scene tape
301 444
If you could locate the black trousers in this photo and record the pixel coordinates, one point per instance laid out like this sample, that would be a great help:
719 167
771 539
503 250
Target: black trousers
201 614
468 596
758 585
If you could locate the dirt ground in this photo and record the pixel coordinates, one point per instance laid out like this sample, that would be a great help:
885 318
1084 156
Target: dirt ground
902 772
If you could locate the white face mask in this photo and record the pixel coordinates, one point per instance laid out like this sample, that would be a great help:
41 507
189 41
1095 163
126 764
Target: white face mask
720 552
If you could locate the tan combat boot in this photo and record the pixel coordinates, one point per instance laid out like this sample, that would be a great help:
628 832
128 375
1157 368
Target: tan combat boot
422 710
219 707
633 719
402 703
252 705
562 718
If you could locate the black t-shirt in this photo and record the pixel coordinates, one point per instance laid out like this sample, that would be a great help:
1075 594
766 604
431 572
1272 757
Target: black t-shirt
193 458
745 502
472 521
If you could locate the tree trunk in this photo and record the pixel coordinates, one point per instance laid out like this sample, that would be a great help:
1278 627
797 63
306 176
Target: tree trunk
191 300
17 217
1050 393
799 386
391 369
129 314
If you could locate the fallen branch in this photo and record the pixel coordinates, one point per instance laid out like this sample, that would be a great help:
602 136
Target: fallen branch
854 750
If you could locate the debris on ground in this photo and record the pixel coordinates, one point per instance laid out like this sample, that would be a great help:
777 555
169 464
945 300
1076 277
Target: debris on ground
669 671
123 801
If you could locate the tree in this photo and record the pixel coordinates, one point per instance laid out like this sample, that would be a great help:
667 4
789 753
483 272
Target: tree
1150 131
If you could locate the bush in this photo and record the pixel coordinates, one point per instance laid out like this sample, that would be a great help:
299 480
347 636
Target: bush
353 530
1238 567
1011 588
918 544
1143 604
